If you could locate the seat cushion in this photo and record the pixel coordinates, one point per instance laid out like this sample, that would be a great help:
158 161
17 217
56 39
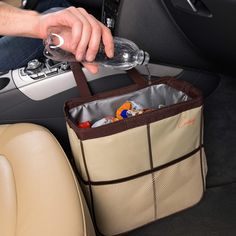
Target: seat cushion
39 194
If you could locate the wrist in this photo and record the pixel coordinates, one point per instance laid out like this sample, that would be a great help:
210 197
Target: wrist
31 27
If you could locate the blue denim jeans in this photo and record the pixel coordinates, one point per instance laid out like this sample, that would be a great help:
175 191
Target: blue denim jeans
15 52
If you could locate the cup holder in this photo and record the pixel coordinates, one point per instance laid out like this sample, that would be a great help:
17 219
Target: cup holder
4 81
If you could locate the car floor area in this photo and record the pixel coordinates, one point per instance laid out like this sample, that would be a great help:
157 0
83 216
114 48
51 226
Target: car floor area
216 213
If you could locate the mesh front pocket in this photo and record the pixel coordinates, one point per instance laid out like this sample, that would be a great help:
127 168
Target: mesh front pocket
179 186
124 206
127 205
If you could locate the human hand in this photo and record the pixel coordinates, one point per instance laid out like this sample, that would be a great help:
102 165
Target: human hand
82 33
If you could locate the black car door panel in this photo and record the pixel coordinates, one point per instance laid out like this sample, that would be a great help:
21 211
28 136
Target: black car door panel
198 35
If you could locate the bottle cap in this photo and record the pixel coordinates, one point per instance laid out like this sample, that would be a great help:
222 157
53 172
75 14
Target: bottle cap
142 58
146 58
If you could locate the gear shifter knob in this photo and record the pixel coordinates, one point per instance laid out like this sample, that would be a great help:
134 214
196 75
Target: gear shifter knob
33 67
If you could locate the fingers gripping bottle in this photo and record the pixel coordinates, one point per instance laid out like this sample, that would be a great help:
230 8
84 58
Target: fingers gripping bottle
126 53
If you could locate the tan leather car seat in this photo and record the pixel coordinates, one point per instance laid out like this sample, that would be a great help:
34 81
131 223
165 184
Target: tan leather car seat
39 194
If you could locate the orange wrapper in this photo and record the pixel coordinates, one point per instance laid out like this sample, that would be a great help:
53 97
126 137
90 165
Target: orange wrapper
125 106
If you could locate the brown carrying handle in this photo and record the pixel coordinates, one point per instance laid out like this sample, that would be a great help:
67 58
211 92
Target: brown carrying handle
82 84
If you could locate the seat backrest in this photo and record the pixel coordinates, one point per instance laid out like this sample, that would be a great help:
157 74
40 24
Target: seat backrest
39 193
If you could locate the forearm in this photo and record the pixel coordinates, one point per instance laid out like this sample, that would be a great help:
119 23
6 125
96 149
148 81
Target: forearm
82 32
17 22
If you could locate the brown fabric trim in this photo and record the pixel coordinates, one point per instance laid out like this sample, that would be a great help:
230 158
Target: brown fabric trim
137 77
170 81
80 80
201 156
146 118
133 122
153 175
141 174
82 83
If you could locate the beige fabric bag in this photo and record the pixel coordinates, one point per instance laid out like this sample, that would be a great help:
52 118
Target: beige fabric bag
143 168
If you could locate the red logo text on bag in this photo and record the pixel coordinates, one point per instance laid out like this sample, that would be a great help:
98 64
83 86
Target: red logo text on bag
185 121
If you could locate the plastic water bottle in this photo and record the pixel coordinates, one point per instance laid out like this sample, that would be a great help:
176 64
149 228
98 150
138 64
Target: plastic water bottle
126 53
